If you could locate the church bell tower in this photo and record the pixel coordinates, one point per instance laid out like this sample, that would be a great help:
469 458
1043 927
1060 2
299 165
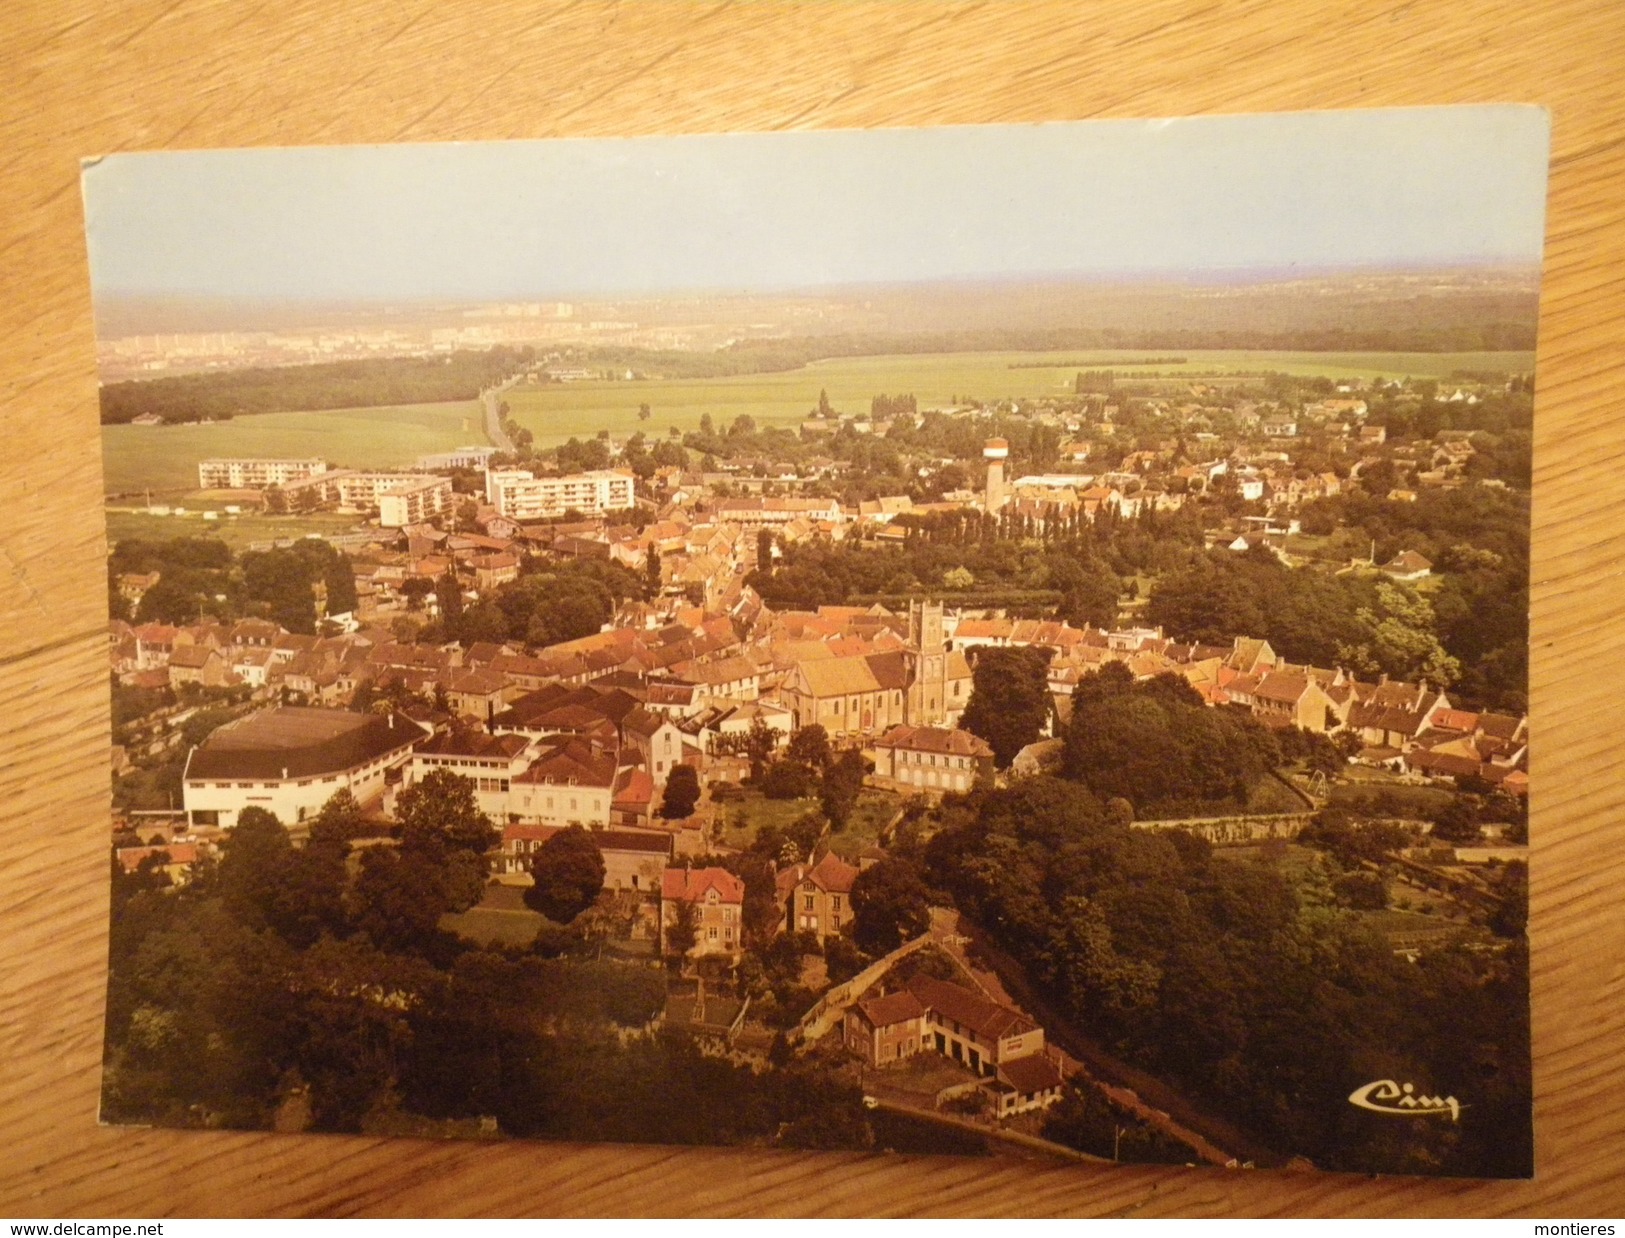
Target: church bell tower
928 665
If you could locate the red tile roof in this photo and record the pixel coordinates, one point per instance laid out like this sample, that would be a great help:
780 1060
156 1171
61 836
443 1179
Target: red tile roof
987 1019
894 1008
1030 1075
690 885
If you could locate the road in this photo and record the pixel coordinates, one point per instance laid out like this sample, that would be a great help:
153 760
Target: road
491 397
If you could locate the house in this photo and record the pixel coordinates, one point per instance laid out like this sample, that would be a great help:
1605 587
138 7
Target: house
632 803
1406 565
715 903
1284 698
476 693
931 758
174 860
885 1029
633 859
657 740
571 783
817 898
197 664
491 570
998 1044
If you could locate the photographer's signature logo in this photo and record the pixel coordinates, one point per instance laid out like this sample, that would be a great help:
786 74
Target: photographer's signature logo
1400 1101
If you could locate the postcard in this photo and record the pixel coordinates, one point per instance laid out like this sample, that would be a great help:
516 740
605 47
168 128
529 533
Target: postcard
917 640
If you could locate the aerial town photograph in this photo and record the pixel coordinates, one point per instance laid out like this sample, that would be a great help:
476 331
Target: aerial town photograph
988 641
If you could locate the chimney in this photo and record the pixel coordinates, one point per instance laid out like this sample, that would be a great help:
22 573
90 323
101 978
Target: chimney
392 721
284 773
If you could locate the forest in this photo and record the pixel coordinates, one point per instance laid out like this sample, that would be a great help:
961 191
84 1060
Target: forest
296 388
792 353
1245 983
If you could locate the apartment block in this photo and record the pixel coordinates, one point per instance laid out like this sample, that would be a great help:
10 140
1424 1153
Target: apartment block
244 474
521 495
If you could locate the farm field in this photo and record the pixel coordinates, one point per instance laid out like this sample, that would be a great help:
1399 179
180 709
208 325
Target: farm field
164 458
558 412
238 532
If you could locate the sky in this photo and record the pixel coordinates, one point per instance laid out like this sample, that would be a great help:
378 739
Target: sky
584 218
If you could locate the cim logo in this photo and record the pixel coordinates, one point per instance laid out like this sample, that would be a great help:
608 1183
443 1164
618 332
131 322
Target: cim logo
1400 1101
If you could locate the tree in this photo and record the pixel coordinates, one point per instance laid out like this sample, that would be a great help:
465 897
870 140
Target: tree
809 747
449 594
1400 639
1362 891
760 742
653 577
253 854
764 549
568 871
339 821
787 780
414 589
1009 703
644 412
842 784
439 811
1154 743
398 899
1457 822
683 930
682 793
890 905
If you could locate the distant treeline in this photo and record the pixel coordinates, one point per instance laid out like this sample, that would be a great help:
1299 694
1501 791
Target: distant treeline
334 384
461 376
1062 365
778 355
1497 336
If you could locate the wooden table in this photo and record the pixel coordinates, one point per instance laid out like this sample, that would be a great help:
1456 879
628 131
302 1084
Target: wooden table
84 78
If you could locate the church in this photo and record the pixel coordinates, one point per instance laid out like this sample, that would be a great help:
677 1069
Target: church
923 684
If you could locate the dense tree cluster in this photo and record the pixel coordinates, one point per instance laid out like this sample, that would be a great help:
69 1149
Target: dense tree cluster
1073 569
1009 703
1155 744
890 905
1251 990
200 578
221 394
1470 631
551 602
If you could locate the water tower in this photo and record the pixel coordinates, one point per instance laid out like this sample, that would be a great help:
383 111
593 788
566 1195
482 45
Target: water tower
996 452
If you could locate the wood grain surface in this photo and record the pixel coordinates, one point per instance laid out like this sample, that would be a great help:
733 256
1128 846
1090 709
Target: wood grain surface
84 78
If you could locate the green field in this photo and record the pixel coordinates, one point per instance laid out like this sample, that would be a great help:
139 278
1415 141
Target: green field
238 532
164 458
558 412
